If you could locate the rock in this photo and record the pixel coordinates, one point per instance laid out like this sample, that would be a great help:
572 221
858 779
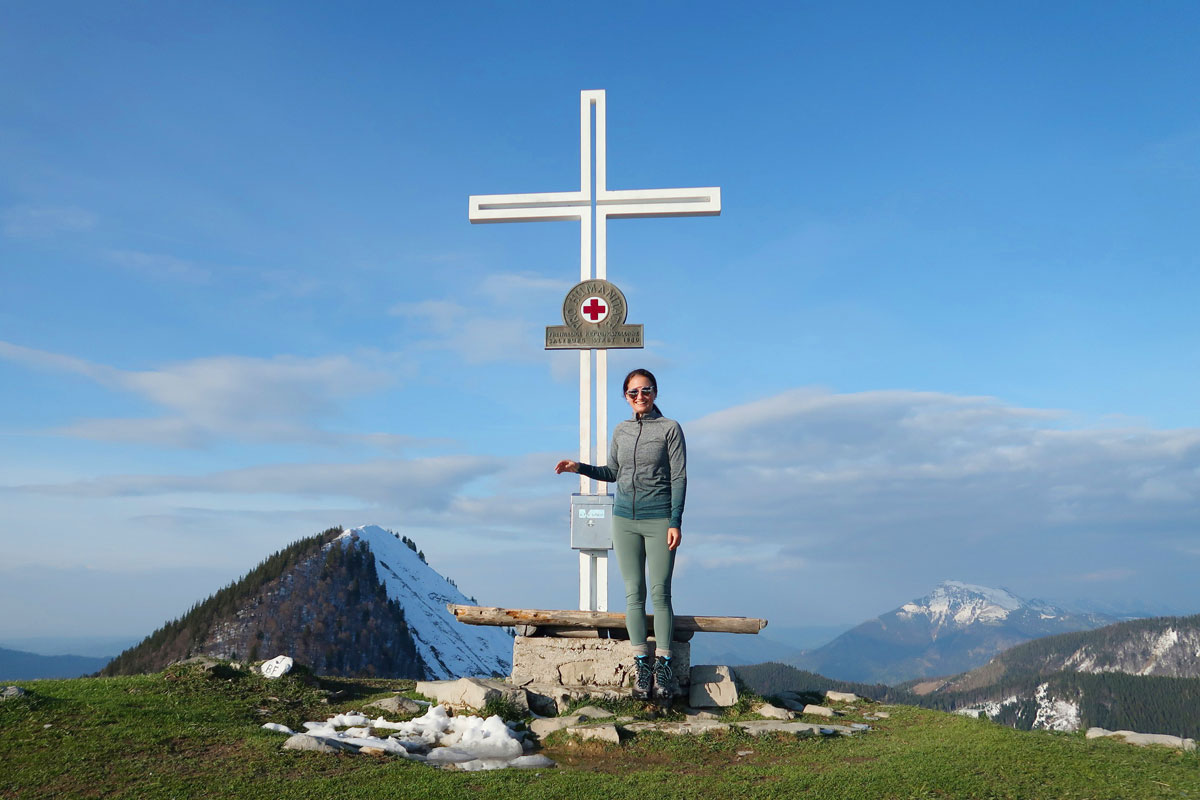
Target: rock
821 711
840 697
693 727
531 762
695 713
593 712
542 728
882 714
397 705
473 693
792 703
760 727
277 667
318 744
773 712
603 733
9 692
373 751
1144 739
708 673
712 687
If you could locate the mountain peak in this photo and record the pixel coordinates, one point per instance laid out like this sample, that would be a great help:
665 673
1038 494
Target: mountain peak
962 604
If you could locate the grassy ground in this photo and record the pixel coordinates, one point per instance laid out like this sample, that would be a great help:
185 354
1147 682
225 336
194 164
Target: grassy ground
185 734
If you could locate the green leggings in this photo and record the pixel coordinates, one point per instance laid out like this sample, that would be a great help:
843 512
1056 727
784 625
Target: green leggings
639 542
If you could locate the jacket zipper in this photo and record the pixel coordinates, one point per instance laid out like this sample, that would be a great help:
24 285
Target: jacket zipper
633 475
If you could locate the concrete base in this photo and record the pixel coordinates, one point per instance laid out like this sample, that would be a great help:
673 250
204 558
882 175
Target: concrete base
579 663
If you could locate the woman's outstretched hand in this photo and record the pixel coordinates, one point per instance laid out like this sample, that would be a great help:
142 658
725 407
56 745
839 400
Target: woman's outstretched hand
566 466
674 537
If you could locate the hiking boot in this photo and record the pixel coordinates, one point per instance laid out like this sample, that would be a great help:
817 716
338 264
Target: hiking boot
664 680
643 677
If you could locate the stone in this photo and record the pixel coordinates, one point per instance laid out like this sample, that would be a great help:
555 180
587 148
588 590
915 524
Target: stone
882 714
277 667
696 713
397 705
1144 739
840 697
576 662
759 727
792 703
821 711
372 751
773 712
603 733
318 744
712 687
544 727
593 712
693 727
472 693
9 692
709 673
532 762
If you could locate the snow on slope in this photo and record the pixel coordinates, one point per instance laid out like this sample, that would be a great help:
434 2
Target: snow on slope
449 648
962 603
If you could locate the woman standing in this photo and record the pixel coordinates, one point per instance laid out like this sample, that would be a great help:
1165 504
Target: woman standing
648 461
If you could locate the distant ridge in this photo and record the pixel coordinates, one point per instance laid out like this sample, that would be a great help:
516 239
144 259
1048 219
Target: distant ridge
18 665
956 627
343 602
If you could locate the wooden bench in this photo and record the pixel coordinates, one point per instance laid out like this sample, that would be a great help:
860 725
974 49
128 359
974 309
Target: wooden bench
593 624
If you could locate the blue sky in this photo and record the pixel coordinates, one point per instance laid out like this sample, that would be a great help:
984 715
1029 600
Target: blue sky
943 329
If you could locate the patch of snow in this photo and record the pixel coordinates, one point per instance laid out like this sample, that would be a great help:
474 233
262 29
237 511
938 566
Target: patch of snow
1054 714
465 742
1165 641
449 648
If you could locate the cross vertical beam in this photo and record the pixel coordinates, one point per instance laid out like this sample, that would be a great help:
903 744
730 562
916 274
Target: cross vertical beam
593 199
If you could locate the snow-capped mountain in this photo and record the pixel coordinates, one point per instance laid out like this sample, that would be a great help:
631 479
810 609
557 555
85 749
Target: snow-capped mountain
956 627
343 602
449 648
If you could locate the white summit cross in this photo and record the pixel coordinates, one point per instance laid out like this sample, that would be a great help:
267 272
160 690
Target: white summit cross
594 202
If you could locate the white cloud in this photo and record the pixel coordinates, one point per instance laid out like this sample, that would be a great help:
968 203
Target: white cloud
22 222
254 399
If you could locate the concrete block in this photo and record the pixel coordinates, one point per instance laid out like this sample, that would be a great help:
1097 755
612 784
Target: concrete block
575 662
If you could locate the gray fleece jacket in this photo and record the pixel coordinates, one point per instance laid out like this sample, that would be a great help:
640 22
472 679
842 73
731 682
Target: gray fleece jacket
648 461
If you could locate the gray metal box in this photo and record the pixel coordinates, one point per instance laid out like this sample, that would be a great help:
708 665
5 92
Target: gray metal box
591 521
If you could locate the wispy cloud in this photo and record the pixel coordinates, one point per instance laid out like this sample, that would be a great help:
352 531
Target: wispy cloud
254 399
493 323
416 485
25 221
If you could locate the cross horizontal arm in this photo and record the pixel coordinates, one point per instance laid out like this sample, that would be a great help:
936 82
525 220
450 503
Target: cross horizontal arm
696 202
527 207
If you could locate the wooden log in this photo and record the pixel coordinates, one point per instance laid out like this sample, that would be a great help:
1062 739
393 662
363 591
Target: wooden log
541 618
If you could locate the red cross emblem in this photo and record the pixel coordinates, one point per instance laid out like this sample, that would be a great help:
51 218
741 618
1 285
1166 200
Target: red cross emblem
594 309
